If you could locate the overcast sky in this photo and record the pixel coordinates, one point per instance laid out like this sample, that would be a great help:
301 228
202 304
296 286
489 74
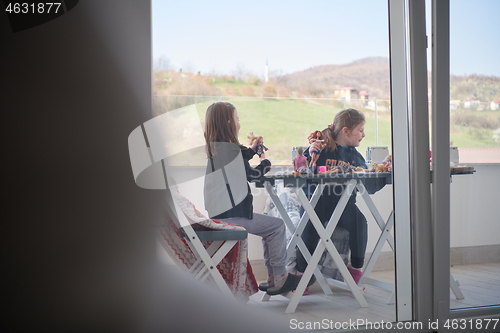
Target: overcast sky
291 35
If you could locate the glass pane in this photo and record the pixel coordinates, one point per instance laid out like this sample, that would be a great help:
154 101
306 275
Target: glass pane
289 67
475 128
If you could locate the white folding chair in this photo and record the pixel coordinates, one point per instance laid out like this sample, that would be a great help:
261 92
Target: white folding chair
203 253
199 244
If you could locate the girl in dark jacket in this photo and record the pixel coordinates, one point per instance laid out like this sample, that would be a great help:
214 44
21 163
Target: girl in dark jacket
228 197
339 147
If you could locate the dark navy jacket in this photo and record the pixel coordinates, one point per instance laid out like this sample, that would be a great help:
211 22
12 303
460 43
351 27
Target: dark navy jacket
345 154
331 194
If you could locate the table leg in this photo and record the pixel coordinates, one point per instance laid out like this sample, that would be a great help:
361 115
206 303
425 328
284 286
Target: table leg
386 227
296 240
377 249
455 287
386 235
325 241
375 213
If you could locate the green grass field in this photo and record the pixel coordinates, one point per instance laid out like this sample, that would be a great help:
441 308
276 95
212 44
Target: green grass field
474 128
285 123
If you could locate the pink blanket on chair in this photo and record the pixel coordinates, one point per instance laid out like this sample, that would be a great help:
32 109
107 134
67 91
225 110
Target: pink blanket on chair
234 268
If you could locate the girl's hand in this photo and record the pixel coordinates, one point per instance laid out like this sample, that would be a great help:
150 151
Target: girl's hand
255 143
316 146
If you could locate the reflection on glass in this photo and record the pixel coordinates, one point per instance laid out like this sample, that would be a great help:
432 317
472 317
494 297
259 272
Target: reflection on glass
287 122
475 130
288 67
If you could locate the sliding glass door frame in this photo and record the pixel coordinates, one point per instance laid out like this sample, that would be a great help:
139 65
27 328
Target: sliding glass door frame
401 124
422 211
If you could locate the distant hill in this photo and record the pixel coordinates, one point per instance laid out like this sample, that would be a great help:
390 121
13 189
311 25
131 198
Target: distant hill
479 87
370 74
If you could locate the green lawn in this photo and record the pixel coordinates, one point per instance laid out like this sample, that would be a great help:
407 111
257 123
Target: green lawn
287 123
474 128
468 137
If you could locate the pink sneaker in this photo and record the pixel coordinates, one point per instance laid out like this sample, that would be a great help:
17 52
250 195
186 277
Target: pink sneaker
355 273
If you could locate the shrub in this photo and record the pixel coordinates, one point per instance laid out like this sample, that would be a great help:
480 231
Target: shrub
496 135
247 91
253 80
269 90
475 120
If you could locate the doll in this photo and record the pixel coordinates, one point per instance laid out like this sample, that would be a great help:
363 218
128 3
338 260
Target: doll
316 136
260 145
343 168
388 163
378 167
385 166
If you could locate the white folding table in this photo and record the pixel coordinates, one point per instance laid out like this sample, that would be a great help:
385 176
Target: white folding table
352 181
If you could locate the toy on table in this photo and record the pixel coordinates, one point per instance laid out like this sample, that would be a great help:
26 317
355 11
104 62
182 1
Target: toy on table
333 166
388 163
302 171
260 145
378 167
385 166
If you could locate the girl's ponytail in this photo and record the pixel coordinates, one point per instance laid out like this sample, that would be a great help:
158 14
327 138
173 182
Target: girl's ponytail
349 118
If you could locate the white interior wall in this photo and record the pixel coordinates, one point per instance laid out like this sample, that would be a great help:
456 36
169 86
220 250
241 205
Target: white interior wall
475 207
